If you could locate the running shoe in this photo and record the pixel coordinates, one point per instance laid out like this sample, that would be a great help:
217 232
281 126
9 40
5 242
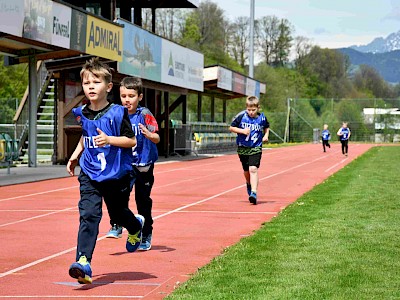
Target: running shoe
253 198
145 245
81 270
115 232
134 240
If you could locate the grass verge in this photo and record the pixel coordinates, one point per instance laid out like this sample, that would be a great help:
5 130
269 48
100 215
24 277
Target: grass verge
338 241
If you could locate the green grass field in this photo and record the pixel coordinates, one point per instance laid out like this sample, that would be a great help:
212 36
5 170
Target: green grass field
339 241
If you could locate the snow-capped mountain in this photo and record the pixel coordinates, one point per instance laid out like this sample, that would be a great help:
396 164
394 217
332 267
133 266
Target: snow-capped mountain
381 45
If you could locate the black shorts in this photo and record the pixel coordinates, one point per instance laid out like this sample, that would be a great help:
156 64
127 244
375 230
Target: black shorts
250 160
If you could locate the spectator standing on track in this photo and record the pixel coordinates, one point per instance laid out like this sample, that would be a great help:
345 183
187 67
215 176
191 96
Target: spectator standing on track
344 135
326 136
106 142
252 130
145 154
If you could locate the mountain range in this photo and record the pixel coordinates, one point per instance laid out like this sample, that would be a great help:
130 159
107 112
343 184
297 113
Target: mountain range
382 54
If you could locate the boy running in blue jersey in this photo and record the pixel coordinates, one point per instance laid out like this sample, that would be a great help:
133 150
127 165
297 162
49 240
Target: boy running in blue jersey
107 141
344 135
145 154
326 136
252 130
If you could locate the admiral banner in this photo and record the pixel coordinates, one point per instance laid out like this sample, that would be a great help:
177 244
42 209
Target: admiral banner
12 16
104 39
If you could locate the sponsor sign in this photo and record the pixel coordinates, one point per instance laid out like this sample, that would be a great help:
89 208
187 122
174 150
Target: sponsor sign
141 53
103 39
12 16
61 25
224 79
38 23
78 31
181 66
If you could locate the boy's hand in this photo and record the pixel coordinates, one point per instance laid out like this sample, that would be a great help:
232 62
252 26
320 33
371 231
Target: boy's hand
144 130
265 139
102 139
72 163
246 131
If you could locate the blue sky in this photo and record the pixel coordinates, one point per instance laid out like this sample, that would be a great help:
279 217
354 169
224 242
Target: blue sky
329 24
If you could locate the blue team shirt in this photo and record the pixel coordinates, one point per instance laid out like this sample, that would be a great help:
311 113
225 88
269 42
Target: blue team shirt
109 162
145 152
326 135
256 125
346 133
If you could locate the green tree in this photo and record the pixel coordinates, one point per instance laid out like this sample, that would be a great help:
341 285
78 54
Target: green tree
14 80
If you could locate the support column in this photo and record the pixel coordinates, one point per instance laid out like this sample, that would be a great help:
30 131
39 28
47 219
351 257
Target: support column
224 111
199 102
166 124
212 117
33 92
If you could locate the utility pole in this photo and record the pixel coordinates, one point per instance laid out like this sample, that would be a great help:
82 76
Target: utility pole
251 50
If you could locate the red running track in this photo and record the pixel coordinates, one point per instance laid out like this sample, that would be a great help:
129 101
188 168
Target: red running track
200 207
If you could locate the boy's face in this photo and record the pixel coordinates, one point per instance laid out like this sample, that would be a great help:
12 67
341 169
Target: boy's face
95 88
252 111
130 99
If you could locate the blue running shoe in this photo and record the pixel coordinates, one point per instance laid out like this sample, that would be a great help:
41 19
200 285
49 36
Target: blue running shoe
81 270
248 185
253 198
115 232
134 240
145 245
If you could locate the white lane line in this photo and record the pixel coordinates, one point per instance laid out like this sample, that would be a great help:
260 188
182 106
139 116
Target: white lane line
41 193
157 217
38 216
337 164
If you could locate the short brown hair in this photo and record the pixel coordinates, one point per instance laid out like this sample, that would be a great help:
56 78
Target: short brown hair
97 68
133 83
252 101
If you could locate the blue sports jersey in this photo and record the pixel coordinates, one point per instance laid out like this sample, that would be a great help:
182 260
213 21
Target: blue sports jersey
145 152
108 162
346 133
256 125
326 135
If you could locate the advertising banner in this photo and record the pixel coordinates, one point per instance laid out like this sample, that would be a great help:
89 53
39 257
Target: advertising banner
224 79
239 84
61 25
250 87
78 31
141 53
38 23
181 66
104 39
12 16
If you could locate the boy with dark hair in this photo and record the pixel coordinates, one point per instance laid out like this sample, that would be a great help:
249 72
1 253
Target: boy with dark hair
107 140
252 130
145 154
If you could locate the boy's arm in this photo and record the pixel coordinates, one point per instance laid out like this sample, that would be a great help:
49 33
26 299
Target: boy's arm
245 131
340 132
73 160
266 135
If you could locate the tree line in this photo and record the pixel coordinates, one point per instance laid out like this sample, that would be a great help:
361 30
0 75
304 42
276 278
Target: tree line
290 66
